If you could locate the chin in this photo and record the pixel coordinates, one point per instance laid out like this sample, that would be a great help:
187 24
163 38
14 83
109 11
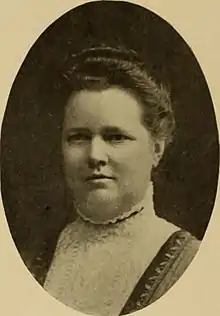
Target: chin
99 205
102 196
101 200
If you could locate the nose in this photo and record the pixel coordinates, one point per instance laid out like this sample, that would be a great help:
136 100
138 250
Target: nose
97 155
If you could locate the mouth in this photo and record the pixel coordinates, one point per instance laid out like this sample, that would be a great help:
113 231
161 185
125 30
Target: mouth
95 177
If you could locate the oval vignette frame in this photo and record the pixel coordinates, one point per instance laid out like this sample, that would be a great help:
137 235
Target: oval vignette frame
45 207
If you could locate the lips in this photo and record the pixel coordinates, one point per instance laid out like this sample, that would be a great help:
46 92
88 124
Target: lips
98 177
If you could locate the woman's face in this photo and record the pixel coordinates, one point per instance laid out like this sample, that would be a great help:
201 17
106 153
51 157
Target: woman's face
108 153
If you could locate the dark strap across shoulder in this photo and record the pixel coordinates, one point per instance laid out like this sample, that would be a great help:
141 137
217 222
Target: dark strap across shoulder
166 268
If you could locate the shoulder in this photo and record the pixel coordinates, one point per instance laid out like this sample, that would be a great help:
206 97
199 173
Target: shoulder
177 240
180 240
188 247
184 241
164 271
176 255
171 262
66 237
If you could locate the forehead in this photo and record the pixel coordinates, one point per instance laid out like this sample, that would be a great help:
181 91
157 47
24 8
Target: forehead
112 106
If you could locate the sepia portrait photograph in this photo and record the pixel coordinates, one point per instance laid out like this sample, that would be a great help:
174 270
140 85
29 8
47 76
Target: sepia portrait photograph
109 158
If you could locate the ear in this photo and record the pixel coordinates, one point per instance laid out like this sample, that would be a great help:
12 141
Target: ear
159 147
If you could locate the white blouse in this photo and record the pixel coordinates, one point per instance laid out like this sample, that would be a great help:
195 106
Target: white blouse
96 267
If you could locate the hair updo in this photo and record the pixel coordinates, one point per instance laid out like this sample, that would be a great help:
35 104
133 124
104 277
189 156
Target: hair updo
103 67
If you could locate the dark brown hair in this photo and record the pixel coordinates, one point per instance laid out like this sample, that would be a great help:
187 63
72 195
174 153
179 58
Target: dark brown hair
103 67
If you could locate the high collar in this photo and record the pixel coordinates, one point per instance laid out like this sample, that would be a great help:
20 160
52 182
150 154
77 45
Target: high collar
145 203
134 225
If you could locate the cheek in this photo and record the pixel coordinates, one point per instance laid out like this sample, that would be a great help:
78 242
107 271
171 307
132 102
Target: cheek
134 160
72 160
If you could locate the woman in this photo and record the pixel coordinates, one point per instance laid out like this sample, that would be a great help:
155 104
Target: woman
118 256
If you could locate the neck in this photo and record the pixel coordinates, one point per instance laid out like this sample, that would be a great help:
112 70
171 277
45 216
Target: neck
145 203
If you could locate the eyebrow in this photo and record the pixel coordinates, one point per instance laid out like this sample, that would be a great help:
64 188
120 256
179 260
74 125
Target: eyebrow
105 129
77 129
114 129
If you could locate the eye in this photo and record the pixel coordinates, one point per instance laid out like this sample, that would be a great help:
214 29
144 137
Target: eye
77 138
116 138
